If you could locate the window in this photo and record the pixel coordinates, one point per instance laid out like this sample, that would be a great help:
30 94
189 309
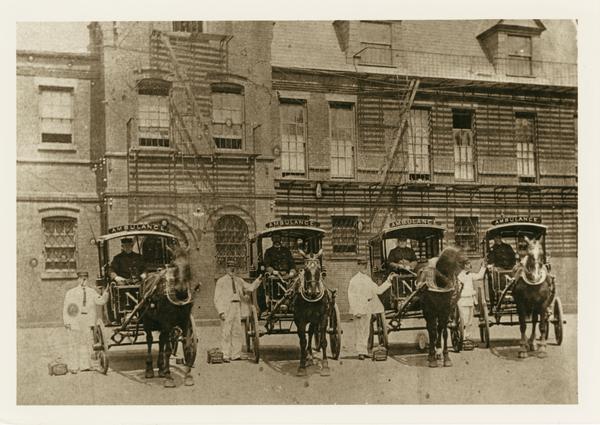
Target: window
227 117
525 138
418 145
231 235
293 137
375 43
56 114
59 243
341 132
462 131
187 26
153 113
519 55
344 234
466 233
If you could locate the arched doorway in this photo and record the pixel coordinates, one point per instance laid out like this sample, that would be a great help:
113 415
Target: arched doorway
231 235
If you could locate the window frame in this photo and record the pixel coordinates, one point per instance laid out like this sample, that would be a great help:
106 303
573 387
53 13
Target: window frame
378 45
228 89
160 91
301 103
412 174
468 166
46 245
532 177
240 246
353 227
473 223
347 143
56 140
514 58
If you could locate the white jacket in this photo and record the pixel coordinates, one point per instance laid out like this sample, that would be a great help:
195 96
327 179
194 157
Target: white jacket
224 294
362 294
468 290
77 315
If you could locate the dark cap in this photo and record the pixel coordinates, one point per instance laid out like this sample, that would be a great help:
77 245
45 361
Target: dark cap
126 240
83 274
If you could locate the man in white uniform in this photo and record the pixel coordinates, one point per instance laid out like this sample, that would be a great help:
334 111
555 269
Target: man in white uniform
364 301
79 317
232 304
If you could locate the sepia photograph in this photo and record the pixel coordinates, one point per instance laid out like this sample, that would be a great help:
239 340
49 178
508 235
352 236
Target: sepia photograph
298 211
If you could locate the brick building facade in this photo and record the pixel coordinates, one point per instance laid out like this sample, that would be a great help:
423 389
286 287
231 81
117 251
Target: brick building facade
220 127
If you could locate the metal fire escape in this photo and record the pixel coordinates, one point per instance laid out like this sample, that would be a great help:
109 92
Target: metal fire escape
388 177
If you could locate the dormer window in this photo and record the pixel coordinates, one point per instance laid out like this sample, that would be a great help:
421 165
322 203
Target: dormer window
375 43
510 45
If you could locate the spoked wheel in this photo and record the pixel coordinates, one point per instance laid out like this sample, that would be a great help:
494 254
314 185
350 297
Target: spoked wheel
190 343
335 333
484 321
100 347
252 334
457 331
381 331
557 321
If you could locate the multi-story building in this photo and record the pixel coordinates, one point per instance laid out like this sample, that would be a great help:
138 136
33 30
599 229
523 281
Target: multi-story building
220 127
462 121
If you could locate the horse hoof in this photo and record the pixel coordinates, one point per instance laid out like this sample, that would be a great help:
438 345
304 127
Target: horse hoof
447 363
149 374
433 363
542 354
169 383
325 371
161 374
522 354
301 371
188 381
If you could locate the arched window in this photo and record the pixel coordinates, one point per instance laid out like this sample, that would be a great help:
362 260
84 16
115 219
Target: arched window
231 234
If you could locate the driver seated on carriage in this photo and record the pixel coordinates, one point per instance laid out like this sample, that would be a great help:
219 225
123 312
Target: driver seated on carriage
278 260
402 257
127 265
501 255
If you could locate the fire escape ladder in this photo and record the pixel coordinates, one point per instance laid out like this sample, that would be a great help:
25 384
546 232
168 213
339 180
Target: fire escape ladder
385 174
191 98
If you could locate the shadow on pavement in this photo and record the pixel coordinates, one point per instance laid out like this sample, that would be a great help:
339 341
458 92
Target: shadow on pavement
286 359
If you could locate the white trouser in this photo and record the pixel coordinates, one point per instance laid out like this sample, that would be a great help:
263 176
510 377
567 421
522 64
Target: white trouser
361 332
231 332
466 313
80 348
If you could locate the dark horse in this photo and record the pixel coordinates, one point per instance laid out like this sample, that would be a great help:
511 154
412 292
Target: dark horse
438 295
533 292
167 295
311 307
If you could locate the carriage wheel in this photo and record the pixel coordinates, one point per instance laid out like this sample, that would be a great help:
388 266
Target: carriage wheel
558 321
191 336
484 321
252 335
335 335
100 347
457 331
382 336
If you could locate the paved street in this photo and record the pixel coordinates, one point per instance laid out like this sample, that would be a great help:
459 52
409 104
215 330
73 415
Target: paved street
493 375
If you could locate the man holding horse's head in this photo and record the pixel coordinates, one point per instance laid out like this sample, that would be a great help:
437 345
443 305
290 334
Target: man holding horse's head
127 264
232 304
364 302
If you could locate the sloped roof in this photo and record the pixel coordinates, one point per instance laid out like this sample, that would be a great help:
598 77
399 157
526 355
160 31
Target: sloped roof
435 48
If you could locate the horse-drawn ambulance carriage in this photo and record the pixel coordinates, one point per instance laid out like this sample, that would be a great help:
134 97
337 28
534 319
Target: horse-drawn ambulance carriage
134 299
275 303
401 301
496 300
